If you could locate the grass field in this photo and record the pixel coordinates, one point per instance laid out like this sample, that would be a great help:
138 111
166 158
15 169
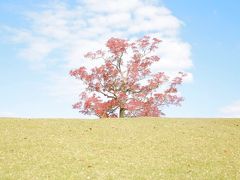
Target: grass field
143 148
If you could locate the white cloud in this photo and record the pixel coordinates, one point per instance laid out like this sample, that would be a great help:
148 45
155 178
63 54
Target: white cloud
90 23
64 33
232 110
175 55
109 6
64 87
7 114
37 49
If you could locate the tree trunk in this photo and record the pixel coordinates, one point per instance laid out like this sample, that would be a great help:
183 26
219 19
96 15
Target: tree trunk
122 113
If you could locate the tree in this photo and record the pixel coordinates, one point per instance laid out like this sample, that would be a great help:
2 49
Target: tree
124 86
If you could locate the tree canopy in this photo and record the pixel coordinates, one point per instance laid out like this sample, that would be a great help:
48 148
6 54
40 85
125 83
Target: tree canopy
124 85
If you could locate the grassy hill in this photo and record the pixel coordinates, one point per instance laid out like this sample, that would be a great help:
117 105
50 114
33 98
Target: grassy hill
143 148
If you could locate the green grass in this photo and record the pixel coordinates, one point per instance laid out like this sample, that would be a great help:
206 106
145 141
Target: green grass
143 148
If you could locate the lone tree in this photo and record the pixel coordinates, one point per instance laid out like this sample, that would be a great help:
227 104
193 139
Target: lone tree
124 86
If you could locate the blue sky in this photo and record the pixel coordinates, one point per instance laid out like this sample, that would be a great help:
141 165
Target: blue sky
41 41
212 29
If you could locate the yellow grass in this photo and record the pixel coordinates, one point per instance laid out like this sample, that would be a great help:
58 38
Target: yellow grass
141 148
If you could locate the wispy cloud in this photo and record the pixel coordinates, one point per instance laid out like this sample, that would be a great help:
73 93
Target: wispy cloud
58 27
61 33
7 114
232 110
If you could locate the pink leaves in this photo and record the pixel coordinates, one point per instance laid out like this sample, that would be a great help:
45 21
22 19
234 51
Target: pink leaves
78 105
146 43
95 55
155 43
117 46
179 79
94 105
78 72
118 83
81 73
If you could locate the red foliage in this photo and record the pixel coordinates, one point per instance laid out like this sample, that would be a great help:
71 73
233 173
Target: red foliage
116 88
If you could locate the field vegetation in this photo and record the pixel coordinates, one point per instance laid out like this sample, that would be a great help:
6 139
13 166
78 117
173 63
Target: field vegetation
137 148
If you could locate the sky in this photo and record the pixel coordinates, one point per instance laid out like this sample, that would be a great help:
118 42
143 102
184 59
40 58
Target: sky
41 41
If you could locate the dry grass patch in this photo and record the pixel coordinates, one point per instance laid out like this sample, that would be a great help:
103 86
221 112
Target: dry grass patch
143 148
